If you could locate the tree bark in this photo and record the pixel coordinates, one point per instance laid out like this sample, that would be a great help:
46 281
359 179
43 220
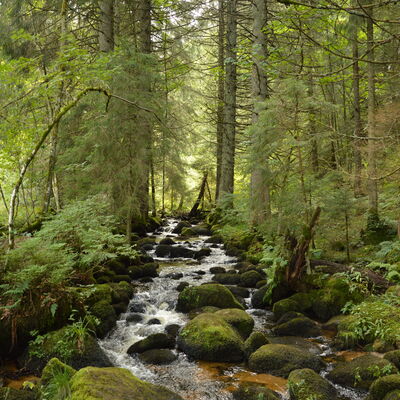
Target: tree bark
228 143
106 26
372 173
193 211
259 186
221 92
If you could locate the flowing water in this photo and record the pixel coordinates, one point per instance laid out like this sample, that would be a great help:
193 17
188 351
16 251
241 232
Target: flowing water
157 299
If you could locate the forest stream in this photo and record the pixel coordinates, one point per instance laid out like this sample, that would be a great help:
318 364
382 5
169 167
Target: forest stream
154 303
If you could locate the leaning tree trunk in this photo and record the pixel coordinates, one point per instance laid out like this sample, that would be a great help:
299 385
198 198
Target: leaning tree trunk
228 142
200 197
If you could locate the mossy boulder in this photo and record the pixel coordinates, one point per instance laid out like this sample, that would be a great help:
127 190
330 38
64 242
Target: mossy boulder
206 309
383 386
63 345
360 372
284 306
227 278
280 360
238 319
115 383
250 278
187 232
209 337
180 225
254 391
54 367
90 295
206 295
107 316
300 326
14 394
142 271
329 302
305 384
121 292
158 356
154 341
394 357
254 342
395 395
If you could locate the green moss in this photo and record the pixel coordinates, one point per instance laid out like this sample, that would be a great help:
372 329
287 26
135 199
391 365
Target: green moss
206 295
281 307
238 319
208 337
105 312
188 232
14 394
115 383
382 386
280 360
254 391
53 367
361 372
254 342
393 357
305 384
250 278
395 395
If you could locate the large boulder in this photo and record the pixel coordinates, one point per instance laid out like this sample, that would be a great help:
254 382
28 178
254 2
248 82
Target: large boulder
158 356
146 270
154 341
305 384
180 225
209 337
250 278
238 319
394 357
214 295
384 386
395 395
299 326
360 372
254 342
280 360
115 383
254 391
227 278
258 297
61 344
106 315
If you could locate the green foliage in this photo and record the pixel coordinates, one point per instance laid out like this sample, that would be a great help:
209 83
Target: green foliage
378 317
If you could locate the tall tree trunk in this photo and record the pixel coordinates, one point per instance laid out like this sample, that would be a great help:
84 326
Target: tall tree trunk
51 181
146 128
260 191
200 197
221 92
106 26
313 129
153 191
356 107
371 143
228 142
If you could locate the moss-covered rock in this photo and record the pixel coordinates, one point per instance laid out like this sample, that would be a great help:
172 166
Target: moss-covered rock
361 372
121 292
180 225
208 337
383 386
395 395
154 341
382 346
227 278
254 342
238 319
280 360
254 391
146 270
284 306
14 394
115 383
187 232
394 357
63 345
300 326
206 309
250 278
329 302
305 384
105 312
54 367
158 356
206 295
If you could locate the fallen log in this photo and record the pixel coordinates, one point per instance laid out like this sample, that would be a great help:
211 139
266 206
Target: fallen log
372 277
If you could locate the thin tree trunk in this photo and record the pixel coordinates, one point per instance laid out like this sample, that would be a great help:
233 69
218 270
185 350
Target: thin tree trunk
260 190
153 192
356 108
372 182
221 92
200 197
228 142
313 130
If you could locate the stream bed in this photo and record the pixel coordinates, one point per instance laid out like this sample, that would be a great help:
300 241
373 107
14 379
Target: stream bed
155 302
